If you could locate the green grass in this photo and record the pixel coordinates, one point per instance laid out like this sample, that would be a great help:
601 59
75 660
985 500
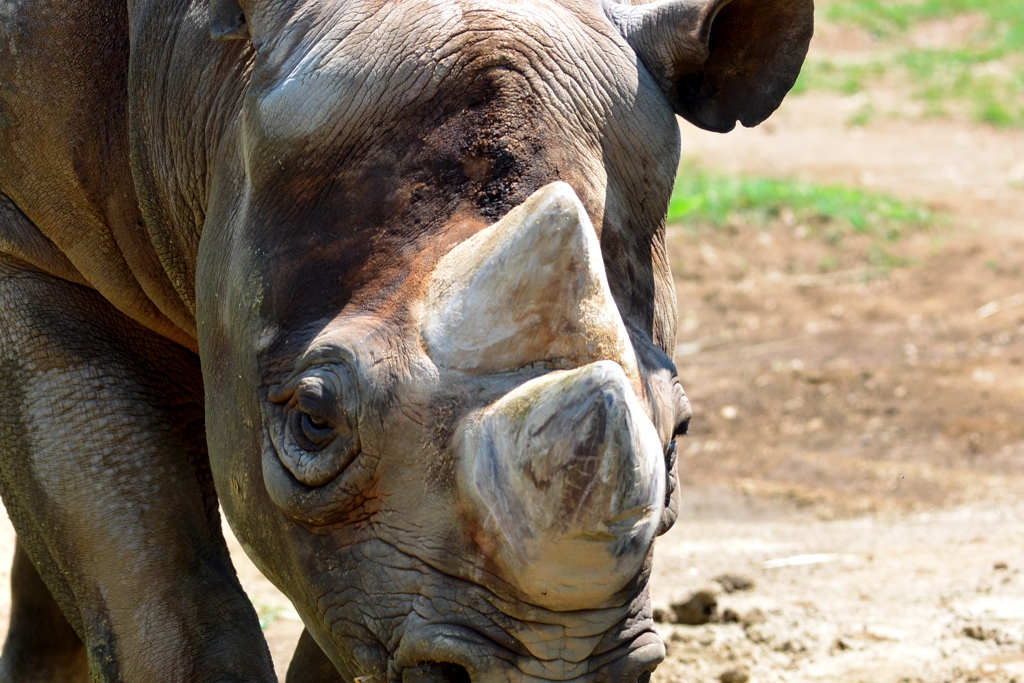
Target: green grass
852 227
984 77
863 116
830 211
885 18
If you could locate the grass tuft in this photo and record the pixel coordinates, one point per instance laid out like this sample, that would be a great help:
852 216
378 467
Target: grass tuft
830 211
826 228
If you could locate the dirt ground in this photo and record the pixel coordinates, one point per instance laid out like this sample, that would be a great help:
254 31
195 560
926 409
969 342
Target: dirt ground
858 438
857 449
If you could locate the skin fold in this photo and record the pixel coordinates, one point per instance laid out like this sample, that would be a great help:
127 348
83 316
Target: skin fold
385 281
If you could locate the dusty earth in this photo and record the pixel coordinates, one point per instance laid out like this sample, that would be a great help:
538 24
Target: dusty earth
857 449
858 438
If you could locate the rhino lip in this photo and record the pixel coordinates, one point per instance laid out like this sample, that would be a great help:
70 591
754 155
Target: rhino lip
447 643
476 653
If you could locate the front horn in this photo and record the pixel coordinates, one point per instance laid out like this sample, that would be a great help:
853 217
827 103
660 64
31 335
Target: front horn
567 478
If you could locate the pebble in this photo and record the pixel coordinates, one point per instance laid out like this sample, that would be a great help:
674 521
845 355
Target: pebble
697 610
730 616
977 633
731 583
734 676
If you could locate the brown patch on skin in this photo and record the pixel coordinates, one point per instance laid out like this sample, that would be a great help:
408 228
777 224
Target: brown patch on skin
482 152
477 168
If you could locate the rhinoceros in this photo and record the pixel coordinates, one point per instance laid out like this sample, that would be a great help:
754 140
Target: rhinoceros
384 280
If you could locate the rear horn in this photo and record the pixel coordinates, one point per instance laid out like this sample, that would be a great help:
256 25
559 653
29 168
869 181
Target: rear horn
530 288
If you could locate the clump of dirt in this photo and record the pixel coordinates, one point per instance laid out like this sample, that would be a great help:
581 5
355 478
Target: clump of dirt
699 608
731 583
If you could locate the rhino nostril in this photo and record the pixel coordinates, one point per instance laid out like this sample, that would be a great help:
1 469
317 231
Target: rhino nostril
645 677
436 672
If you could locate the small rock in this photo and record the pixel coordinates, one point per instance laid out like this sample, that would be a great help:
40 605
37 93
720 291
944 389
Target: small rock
734 582
738 675
698 610
977 632
792 645
840 645
659 615
1000 566
730 616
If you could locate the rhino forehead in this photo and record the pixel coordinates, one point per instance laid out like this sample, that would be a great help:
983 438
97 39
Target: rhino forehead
321 84
326 87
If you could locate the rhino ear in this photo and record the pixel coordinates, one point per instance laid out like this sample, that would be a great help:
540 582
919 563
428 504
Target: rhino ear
719 61
227 20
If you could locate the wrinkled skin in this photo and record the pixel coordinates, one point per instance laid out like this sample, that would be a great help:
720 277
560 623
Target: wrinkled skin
224 279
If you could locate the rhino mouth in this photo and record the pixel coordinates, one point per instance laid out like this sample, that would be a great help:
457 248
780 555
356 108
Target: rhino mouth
454 653
407 618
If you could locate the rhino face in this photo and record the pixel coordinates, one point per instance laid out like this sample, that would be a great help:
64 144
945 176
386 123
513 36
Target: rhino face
434 304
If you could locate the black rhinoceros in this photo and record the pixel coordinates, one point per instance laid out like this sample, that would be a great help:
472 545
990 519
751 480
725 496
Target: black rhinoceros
387 281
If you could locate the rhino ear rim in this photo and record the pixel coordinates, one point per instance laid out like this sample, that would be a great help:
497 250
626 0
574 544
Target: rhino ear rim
720 61
227 20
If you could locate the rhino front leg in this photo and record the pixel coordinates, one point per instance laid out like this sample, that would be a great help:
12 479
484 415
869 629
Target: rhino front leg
104 473
310 664
41 645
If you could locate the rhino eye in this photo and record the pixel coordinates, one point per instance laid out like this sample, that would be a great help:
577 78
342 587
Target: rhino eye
313 428
313 414
311 432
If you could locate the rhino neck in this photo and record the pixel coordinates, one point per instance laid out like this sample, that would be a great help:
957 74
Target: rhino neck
186 94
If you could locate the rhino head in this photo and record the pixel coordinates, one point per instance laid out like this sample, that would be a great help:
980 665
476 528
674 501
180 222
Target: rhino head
435 311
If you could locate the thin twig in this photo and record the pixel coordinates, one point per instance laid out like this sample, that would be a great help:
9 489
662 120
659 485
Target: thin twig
1000 305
